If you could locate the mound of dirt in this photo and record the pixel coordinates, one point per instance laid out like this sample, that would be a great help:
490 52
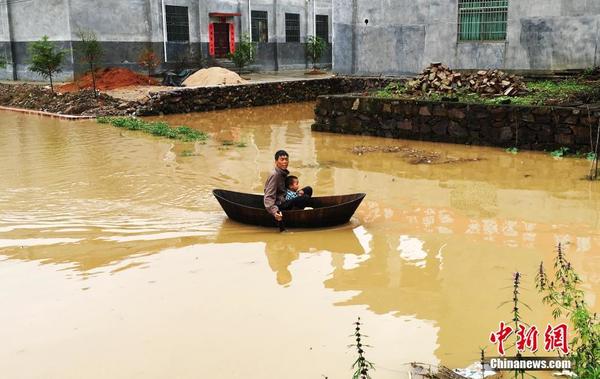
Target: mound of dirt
108 78
40 98
213 76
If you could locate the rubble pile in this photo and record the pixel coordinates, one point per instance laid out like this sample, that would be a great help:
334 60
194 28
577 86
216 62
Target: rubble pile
438 78
496 82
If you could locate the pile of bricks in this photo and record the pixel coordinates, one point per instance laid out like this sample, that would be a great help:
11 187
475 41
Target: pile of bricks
496 82
438 78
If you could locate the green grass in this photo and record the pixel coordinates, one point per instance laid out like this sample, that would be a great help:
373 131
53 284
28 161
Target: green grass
541 93
159 129
391 90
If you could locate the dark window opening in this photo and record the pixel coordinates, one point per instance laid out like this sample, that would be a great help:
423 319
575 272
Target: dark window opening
260 26
292 27
322 27
178 24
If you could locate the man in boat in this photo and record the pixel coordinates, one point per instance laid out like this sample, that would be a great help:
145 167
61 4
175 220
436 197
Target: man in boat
275 189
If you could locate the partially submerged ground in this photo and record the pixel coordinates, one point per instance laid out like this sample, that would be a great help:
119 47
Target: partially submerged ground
413 155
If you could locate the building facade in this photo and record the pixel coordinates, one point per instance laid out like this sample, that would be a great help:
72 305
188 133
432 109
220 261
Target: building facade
180 32
404 36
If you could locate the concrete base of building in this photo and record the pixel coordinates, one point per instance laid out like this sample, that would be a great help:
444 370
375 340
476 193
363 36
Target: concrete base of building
270 57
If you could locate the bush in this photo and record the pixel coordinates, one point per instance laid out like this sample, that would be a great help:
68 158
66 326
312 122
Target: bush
315 47
245 53
148 60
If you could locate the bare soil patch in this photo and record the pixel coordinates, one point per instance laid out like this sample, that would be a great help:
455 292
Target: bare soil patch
29 96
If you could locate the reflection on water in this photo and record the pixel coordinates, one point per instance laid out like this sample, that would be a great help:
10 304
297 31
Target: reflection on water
282 252
114 237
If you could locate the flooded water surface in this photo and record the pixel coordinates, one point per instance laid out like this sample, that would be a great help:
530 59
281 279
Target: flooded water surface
117 262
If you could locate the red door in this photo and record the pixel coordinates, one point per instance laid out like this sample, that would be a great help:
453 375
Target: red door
221 32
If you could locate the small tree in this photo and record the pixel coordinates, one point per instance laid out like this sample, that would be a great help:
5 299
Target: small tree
148 60
245 53
315 46
46 60
90 51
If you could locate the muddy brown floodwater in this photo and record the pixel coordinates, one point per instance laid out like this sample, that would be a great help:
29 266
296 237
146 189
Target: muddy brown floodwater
116 261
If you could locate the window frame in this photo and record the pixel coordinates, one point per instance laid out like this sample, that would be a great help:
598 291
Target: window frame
292 27
482 21
326 23
177 25
257 18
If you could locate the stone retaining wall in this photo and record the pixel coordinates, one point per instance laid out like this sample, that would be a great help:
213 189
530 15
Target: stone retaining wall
203 99
525 127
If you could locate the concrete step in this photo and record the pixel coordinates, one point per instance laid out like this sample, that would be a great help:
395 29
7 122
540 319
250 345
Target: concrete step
225 63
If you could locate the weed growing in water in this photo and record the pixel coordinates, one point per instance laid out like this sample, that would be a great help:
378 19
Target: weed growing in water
560 152
160 129
519 325
361 365
563 294
188 153
517 313
593 175
482 362
512 150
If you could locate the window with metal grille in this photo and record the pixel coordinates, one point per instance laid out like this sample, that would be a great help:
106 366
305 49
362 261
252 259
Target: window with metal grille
482 20
260 26
322 27
178 24
292 27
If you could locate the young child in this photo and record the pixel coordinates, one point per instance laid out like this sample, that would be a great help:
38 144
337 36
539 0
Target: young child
295 198
292 184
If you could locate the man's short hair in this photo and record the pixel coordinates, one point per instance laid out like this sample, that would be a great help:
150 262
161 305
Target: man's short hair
281 153
289 180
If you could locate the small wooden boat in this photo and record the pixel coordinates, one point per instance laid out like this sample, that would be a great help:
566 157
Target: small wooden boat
327 210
